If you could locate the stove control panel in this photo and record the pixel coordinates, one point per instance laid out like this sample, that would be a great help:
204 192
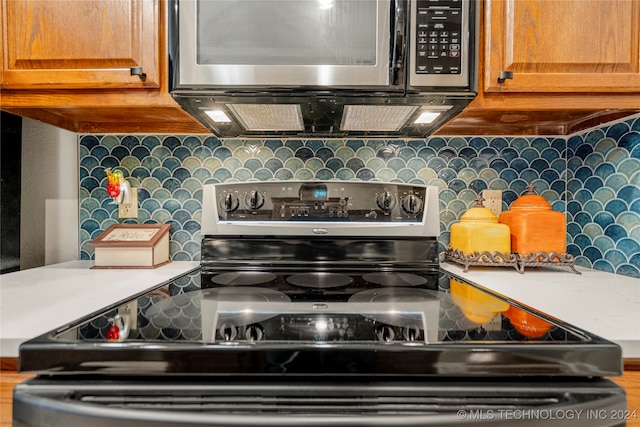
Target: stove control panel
320 200
327 202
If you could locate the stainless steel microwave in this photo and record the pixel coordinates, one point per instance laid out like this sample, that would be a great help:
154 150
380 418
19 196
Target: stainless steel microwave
334 67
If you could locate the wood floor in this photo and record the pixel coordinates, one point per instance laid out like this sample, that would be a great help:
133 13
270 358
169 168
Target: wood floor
8 379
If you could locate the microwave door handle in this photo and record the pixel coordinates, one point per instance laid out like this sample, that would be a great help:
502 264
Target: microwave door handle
399 10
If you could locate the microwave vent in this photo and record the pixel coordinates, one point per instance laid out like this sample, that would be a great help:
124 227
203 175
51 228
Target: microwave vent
389 118
268 117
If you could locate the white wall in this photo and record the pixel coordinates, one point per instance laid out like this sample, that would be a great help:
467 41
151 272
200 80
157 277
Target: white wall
49 207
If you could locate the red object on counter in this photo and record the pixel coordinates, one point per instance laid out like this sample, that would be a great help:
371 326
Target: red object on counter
113 333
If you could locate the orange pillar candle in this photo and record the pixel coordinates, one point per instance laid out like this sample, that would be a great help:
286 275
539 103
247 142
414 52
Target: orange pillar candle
534 226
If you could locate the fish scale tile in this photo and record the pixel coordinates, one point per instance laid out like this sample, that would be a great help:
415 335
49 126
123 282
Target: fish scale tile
604 162
592 177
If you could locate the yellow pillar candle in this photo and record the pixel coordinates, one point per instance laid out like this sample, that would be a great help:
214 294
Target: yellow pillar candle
479 231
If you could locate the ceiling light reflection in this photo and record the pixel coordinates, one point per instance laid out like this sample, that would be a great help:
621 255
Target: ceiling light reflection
321 325
325 4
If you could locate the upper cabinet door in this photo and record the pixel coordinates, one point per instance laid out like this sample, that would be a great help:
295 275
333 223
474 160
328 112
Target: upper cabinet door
563 45
76 44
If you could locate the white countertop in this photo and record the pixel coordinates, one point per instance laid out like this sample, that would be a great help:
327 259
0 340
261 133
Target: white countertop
38 300
604 304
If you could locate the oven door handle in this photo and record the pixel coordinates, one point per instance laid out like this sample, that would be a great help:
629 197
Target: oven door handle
36 405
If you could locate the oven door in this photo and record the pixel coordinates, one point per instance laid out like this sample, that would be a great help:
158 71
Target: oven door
238 401
282 43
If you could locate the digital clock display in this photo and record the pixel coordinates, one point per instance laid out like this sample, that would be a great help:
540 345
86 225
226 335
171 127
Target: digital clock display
320 194
313 192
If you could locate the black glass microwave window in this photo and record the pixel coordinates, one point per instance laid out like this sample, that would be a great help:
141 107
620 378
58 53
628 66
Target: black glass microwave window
287 32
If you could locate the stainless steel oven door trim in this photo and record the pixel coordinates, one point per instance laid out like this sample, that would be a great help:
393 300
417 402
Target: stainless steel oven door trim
193 74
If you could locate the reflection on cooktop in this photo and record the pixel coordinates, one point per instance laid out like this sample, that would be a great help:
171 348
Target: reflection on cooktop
395 279
392 295
320 280
243 278
241 294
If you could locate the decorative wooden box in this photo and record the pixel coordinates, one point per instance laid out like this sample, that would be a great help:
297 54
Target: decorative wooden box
132 246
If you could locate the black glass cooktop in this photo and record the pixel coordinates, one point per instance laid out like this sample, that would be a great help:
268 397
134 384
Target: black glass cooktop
382 322
232 307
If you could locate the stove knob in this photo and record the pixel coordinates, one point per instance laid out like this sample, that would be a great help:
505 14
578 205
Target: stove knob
411 334
412 204
230 202
386 201
385 333
255 200
228 332
254 333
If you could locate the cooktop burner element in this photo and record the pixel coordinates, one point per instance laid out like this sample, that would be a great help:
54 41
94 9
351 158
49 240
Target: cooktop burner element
319 280
241 298
395 317
245 294
395 279
243 278
392 295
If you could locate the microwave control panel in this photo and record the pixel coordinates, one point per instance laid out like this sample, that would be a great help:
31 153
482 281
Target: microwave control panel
439 37
442 43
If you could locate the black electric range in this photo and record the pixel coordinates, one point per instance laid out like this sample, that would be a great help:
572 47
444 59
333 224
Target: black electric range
322 304
321 323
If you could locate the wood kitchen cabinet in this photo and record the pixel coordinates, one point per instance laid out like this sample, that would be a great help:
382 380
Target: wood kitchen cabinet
69 63
70 44
574 63
563 45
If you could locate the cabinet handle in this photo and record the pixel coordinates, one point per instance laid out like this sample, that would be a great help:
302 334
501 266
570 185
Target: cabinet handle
504 75
137 71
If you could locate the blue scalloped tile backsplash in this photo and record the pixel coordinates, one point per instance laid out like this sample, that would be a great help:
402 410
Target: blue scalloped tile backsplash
603 212
593 177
